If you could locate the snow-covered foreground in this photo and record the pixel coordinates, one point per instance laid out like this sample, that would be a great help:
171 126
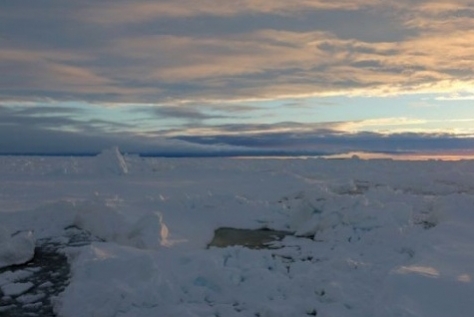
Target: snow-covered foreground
372 238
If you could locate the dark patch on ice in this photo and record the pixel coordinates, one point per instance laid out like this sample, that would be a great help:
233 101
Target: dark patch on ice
357 188
251 238
426 224
49 273
427 220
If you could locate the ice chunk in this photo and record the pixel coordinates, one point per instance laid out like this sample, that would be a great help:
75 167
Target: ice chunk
9 276
111 161
109 224
102 221
30 298
149 232
108 278
16 248
14 289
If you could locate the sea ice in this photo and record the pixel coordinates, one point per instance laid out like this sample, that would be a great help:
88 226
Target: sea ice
14 289
111 161
15 248
373 238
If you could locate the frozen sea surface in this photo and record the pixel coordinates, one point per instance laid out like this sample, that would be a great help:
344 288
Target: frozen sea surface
368 238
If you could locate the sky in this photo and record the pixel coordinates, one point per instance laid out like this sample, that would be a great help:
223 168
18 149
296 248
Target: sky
237 77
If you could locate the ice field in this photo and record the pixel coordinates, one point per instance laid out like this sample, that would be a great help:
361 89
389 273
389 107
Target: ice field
126 236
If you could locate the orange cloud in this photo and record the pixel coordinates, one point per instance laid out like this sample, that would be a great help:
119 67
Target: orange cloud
305 63
437 57
54 72
134 12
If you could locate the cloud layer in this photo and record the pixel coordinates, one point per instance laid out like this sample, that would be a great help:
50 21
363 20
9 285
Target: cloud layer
58 130
176 51
234 76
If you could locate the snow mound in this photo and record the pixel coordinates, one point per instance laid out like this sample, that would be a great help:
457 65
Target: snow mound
321 212
111 161
96 216
15 248
110 224
108 278
149 232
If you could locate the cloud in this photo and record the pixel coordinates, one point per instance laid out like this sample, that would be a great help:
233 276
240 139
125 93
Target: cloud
195 64
55 129
185 51
193 114
46 74
436 15
180 112
326 141
51 117
46 129
134 12
265 64
456 96
51 130
387 124
240 129
16 139
55 118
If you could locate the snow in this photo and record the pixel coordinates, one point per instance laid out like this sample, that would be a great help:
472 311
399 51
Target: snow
111 161
371 237
9 276
15 248
16 288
